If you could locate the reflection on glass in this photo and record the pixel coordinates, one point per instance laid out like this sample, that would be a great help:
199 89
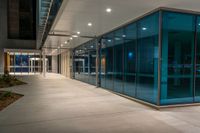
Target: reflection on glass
147 77
85 63
118 61
109 61
25 62
129 59
18 59
197 67
130 51
177 58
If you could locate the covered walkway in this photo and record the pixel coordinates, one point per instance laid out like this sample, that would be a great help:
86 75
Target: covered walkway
56 104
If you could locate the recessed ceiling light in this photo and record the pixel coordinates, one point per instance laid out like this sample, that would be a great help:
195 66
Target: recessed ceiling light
92 46
71 38
124 36
78 32
74 36
144 28
89 24
108 10
61 45
199 24
65 42
117 38
109 40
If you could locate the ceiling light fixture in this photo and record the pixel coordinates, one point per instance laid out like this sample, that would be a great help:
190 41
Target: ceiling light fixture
78 32
71 38
65 42
90 24
144 28
124 36
61 45
117 38
108 10
74 36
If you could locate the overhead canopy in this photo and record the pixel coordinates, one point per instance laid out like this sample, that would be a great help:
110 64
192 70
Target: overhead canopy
75 15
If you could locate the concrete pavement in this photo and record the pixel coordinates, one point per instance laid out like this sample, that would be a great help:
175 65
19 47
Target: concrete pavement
56 104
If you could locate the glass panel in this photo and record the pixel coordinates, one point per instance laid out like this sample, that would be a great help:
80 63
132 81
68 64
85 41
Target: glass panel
81 63
85 63
177 58
103 65
92 62
25 61
18 62
109 61
37 62
118 61
147 76
130 41
31 63
197 85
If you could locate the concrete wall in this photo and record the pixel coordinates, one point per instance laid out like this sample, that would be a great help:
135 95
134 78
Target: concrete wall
54 64
10 43
66 63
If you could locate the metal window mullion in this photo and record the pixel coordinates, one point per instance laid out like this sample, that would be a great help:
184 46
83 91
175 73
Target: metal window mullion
137 58
159 56
21 62
98 83
123 63
100 54
113 58
14 63
195 58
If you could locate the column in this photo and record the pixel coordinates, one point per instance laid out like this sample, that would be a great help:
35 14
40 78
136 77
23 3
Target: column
44 64
98 48
1 61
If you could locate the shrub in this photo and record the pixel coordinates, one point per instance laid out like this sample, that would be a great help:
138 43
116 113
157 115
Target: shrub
6 77
5 94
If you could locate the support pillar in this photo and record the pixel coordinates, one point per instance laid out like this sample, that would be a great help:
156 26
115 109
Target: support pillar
98 67
1 61
44 64
72 64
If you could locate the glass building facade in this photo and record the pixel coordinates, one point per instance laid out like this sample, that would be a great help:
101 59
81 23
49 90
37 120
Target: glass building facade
85 62
23 62
154 58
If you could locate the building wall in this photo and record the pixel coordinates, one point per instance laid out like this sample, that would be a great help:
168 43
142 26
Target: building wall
10 43
54 64
65 63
